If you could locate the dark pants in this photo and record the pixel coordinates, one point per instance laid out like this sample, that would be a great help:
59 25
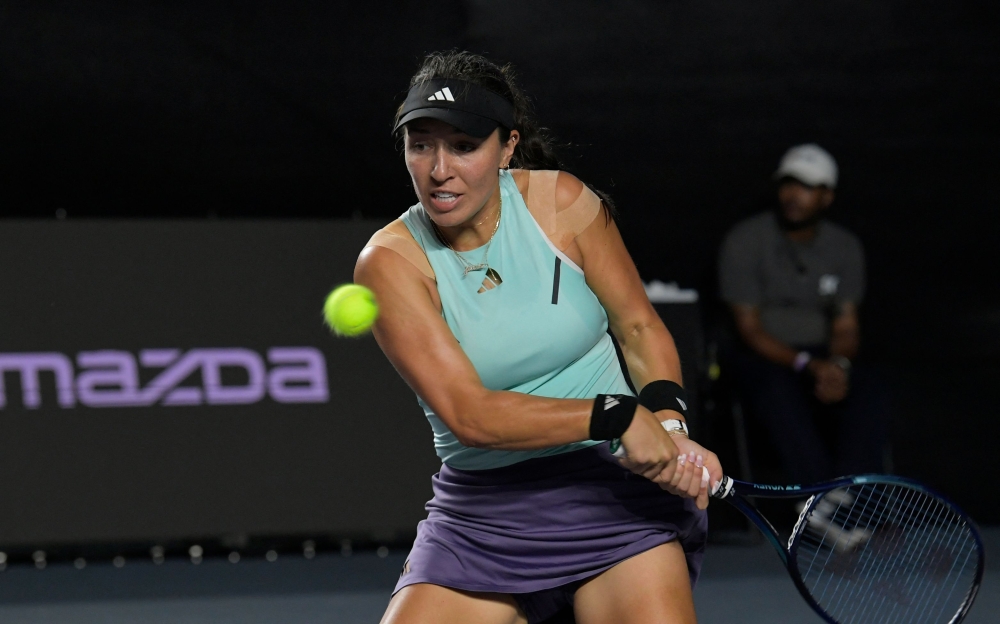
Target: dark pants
815 441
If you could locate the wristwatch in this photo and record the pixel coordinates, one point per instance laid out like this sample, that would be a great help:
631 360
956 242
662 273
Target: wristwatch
675 427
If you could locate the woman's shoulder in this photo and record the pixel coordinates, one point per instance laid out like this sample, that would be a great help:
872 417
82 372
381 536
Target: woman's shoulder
559 201
398 238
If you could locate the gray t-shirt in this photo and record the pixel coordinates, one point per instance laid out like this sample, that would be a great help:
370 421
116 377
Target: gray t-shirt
796 286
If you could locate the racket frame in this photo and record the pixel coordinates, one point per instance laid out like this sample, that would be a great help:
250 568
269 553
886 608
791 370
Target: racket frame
736 492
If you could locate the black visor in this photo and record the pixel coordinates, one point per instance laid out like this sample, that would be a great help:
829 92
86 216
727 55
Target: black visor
470 108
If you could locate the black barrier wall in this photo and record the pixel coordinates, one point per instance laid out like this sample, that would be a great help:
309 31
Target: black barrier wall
167 380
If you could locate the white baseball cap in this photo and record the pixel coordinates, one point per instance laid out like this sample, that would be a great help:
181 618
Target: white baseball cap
810 164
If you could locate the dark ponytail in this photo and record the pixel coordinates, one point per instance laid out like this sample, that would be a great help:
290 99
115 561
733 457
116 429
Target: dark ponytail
536 148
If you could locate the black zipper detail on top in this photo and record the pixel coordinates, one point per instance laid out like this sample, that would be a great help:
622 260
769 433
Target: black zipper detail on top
555 282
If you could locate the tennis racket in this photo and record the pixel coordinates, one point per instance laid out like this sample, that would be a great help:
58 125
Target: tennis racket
873 548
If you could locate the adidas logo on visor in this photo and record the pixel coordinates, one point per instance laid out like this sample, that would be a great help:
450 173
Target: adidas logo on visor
444 95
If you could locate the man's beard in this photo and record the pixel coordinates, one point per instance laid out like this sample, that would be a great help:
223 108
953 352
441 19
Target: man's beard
796 226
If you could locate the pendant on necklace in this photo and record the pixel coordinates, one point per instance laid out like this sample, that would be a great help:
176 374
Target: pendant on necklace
474 267
492 274
491 281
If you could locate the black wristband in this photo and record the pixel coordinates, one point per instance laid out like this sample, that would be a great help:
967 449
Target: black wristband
664 394
611 416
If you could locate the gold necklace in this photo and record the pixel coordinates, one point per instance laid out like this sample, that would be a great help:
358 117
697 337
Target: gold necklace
469 267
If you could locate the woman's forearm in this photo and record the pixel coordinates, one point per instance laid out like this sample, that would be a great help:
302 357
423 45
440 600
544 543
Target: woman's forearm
650 354
517 422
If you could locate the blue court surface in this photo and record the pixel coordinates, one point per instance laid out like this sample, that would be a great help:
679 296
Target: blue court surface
739 584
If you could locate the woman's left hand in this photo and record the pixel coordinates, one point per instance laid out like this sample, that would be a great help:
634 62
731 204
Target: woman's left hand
691 480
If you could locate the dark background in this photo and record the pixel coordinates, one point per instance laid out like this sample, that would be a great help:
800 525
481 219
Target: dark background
355 466
679 109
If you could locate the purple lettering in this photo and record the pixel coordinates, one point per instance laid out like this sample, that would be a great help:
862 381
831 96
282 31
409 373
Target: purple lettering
308 375
110 378
108 368
29 365
212 362
168 380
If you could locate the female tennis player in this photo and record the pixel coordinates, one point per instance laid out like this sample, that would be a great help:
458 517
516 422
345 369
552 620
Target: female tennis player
496 292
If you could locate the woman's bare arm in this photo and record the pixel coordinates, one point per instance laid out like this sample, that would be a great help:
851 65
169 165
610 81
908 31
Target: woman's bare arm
647 345
423 349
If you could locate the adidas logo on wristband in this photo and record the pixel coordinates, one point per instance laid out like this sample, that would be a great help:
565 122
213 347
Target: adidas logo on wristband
611 416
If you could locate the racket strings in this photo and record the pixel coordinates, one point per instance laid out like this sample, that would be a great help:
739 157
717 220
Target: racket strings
842 518
844 593
839 520
894 542
885 553
904 599
894 591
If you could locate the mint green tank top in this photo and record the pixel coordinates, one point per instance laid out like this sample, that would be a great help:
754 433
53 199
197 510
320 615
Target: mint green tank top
541 332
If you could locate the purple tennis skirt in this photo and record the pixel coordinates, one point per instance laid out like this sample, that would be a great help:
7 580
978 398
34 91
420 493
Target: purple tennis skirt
539 528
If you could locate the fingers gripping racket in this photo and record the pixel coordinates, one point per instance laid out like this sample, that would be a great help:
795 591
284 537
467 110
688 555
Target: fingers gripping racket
873 548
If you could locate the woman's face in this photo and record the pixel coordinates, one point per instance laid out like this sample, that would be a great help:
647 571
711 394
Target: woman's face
454 174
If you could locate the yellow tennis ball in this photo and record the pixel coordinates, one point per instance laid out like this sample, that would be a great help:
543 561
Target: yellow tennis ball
350 310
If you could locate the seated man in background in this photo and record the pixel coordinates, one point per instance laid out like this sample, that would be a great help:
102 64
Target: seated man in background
794 281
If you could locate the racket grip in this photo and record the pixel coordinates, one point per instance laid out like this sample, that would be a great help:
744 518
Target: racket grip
723 488
617 449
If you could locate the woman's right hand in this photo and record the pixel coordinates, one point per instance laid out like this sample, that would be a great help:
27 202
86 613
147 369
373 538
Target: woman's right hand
650 451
